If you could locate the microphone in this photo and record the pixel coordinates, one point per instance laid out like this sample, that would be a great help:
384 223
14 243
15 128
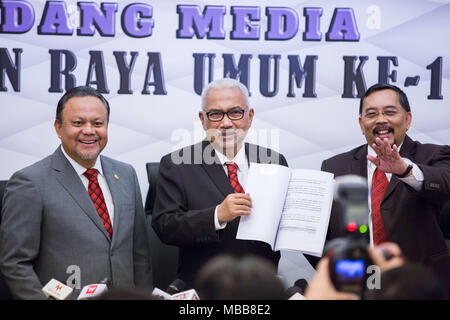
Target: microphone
94 290
177 290
159 293
302 284
176 286
55 290
297 291
186 295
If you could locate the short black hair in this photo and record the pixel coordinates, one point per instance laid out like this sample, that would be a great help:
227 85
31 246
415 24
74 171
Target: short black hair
411 281
81 91
378 87
231 277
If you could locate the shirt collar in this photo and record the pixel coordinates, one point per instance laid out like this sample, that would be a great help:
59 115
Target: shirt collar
240 158
79 169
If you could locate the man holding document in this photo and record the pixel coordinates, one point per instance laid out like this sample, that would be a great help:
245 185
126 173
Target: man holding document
201 191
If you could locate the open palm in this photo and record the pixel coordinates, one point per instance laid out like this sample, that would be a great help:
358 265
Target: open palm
388 158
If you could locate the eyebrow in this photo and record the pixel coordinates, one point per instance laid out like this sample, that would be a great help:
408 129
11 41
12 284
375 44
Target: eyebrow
84 119
392 107
385 107
233 108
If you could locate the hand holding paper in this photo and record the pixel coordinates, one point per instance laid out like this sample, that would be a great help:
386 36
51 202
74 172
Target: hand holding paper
233 206
291 208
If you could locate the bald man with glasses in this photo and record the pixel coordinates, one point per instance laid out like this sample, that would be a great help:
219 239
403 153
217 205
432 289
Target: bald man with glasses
200 193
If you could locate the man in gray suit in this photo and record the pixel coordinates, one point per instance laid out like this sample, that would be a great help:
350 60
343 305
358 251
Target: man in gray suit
75 215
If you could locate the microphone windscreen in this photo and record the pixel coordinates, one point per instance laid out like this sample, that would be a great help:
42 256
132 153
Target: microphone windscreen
302 284
176 286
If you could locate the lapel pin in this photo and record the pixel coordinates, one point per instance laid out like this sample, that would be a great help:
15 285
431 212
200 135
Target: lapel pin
116 176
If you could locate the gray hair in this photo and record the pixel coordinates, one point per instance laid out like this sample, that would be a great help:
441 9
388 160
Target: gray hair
225 83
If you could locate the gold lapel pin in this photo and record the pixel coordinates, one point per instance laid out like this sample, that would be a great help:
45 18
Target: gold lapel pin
116 176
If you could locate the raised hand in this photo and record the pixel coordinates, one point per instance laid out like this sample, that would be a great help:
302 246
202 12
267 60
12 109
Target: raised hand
388 158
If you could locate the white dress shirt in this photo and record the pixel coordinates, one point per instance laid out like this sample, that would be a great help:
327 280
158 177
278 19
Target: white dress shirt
241 160
415 180
80 170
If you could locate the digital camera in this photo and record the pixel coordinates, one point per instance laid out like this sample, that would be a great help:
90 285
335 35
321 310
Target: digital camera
348 254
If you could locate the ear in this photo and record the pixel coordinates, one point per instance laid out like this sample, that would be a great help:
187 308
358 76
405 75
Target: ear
57 126
201 116
251 113
408 120
361 125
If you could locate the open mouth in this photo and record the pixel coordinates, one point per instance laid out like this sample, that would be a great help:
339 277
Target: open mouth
383 132
88 141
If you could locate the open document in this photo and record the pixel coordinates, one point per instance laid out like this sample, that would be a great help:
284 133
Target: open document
291 208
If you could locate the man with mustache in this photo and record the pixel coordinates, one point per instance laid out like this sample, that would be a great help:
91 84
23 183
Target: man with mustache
200 195
408 181
75 214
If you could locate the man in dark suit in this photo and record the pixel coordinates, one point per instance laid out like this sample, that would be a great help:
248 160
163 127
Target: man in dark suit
408 181
200 192
75 214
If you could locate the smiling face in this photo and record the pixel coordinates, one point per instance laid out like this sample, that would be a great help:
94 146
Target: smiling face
226 135
83 129
383 116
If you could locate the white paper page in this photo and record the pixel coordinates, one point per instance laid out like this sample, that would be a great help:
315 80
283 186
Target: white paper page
306 213
267 185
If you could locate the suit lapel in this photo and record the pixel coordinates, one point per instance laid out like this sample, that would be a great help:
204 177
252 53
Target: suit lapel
115 189
215 171
68 178
359 163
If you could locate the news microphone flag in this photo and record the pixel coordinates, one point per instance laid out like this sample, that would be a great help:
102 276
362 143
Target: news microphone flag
186 295
92 291
297 296
57 290
162 294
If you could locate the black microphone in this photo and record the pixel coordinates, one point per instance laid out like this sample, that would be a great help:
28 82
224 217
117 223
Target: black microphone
176 286
299 287
302 284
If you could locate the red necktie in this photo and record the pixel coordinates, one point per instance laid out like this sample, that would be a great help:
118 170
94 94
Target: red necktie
97 198
379 187
232 176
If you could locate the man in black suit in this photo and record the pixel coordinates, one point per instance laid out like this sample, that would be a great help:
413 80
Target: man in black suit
408 181
200 192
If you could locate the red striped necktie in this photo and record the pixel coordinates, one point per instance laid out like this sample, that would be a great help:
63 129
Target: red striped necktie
379 187
232 176
97 198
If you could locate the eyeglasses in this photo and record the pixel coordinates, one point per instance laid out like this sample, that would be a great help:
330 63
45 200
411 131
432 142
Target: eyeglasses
217 115
372 114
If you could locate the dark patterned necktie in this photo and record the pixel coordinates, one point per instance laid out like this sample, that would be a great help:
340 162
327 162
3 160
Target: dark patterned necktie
232 176
379 187
97 198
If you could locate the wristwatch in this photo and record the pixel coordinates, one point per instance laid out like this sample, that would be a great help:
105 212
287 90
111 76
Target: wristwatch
404 174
